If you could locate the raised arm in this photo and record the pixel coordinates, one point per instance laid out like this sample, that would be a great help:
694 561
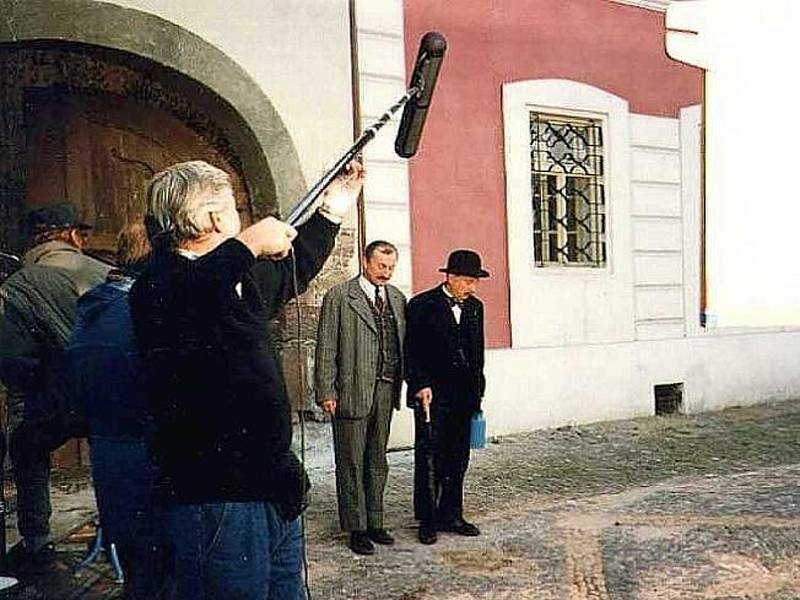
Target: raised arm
313 244
311 248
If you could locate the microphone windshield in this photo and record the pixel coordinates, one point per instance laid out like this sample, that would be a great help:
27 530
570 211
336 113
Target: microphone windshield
426 70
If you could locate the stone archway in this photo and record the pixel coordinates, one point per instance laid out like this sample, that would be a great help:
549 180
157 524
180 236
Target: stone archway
256 132
92 125
99 55
143 58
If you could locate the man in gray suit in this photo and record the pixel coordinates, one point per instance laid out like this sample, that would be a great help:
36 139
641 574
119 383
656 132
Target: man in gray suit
359 372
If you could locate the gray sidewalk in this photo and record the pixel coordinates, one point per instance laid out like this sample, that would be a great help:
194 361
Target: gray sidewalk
705 506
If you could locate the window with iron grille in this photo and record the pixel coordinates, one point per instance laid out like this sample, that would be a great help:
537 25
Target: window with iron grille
568 190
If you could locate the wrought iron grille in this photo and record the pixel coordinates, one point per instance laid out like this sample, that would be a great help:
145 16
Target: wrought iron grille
568 189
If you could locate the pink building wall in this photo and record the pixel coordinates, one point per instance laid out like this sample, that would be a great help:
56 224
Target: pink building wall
457 184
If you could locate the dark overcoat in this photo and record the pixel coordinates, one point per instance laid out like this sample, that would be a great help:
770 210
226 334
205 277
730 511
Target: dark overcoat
441 354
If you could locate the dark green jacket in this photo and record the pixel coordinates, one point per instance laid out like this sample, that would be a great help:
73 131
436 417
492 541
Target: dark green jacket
37 309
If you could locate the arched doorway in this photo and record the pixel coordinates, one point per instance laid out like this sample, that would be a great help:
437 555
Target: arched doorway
251 125
90 125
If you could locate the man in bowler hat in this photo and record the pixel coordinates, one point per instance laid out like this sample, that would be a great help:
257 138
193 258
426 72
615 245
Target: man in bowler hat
444 358
37 312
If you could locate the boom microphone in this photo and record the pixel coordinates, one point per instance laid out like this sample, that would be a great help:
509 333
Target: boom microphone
426 70
417 99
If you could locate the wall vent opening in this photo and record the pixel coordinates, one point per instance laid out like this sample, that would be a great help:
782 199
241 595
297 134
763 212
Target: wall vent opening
669 399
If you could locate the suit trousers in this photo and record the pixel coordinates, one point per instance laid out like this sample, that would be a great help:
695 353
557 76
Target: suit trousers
439 496
31 444
361 468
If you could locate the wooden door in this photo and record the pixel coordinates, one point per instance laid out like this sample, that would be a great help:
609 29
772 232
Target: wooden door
99 151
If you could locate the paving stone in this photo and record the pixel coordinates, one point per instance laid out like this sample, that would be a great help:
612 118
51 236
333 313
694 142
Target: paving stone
680 507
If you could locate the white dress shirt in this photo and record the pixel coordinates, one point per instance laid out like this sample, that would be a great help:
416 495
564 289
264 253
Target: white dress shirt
369 289
456 308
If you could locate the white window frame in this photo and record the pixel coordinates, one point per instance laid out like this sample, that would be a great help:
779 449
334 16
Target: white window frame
561 304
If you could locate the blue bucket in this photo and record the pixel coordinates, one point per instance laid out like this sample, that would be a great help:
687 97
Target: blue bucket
477 431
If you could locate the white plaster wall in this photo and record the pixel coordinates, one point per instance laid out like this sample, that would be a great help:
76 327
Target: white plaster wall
298 52
549 387
746 48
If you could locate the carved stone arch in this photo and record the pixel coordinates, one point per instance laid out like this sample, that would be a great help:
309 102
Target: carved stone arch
256 132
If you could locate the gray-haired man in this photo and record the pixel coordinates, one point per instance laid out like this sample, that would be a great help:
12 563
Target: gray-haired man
232 487
359 372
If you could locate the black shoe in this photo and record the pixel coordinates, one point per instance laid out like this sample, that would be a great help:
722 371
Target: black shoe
380 536
427 534
461 527
22 560
360 543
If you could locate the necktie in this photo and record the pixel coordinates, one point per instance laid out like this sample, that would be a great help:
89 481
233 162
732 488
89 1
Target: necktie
378 299
453 302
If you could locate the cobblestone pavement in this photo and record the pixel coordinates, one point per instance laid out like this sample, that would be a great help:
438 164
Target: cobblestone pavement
704 506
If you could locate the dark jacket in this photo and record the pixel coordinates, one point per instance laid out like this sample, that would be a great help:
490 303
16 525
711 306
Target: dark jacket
442 354
105 377
104 362
221 413
37 311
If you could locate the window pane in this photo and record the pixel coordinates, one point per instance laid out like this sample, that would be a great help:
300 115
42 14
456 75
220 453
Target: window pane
568 190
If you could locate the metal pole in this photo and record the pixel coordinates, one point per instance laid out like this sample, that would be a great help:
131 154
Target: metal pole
305 204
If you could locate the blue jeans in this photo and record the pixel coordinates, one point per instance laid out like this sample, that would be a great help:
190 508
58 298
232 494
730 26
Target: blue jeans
123 482
236 551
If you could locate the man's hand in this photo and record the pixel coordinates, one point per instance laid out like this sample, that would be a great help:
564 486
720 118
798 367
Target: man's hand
268 237
342 192
425 397
329 405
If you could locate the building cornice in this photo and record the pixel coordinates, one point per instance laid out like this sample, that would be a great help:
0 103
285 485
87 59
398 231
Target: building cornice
659 5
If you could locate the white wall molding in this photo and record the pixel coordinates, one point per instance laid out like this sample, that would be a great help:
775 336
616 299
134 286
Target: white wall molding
657 5
381 53
382 80
690 120
657 222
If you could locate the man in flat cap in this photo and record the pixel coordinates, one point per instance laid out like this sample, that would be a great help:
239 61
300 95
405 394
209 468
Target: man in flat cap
37 311
444 371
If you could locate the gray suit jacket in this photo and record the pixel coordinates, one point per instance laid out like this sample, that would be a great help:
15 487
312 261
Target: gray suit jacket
347 348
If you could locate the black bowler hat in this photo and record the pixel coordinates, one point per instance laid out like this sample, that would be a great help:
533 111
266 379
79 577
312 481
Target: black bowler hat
59 215
464 262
